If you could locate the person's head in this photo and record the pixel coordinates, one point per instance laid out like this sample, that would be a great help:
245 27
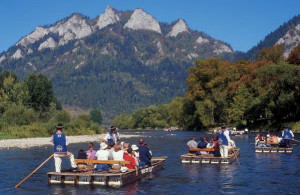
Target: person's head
117 148
81 151
215 139
111 144
141 142
125 145
192 138
202 139
113 129
91 145
223 128
59 127
129 150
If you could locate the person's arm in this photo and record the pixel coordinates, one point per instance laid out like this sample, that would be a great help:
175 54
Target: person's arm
282 133
292 134
226 133
51 140
67 143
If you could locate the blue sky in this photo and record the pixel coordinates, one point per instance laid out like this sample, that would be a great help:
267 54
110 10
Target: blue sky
241 23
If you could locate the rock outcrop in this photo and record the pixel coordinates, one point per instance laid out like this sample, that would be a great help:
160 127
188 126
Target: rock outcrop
110 16
290 40
36 35
49 43
178 28
140 20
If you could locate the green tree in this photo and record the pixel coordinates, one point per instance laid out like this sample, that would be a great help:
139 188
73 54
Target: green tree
96 116
40 92
241 103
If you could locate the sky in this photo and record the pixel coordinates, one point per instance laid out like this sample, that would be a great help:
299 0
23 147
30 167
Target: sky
241 23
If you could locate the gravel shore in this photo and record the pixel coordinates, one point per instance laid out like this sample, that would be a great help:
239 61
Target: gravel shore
42 141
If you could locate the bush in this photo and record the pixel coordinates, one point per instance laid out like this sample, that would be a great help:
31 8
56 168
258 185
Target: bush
62 116
296 126
19 115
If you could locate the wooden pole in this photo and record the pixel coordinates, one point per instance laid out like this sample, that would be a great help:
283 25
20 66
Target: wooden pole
34 171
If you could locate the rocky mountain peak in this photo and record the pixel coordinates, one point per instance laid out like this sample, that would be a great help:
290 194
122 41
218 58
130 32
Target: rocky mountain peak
37 34
290 40
140 20
110 16
75 27
178 27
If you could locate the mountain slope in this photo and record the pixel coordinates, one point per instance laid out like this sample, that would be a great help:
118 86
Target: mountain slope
117 62
287 34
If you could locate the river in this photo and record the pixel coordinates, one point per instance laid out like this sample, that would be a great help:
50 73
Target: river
273 173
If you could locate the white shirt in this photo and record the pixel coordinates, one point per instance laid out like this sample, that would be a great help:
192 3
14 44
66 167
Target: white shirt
102 154
192 144
118 155
114 136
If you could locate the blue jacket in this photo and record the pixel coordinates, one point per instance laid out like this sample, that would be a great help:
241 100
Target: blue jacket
59 140
145 155
222 138
287 134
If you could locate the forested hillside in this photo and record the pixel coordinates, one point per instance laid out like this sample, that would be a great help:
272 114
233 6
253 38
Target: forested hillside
264 93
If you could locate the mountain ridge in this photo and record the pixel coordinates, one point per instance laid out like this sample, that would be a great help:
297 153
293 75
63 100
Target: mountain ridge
95 63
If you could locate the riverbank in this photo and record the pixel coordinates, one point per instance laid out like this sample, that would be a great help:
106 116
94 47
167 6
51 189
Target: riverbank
43 141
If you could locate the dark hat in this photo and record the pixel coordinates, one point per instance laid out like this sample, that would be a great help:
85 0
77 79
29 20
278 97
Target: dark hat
59 126
113 128
223 127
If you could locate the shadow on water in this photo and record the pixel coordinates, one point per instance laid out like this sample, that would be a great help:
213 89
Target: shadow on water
260 173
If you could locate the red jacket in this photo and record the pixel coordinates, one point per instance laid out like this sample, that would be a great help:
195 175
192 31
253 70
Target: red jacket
132 164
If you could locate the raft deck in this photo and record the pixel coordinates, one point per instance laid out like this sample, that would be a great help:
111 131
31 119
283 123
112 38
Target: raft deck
209 158
104 178
273 149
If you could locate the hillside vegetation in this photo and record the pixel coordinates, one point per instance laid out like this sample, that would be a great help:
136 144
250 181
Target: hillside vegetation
264 93
29 109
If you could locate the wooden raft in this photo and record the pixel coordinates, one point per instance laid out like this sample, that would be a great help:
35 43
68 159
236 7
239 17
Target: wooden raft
273 149
105 178
209 158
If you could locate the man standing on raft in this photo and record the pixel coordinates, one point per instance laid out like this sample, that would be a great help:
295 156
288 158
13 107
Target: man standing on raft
60 148
223 142
288 136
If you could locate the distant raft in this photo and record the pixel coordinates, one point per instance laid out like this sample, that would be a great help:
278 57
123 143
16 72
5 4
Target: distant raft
273 149
104 178
210 158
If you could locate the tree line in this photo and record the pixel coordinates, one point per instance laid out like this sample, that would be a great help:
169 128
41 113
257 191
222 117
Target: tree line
29 108
264 92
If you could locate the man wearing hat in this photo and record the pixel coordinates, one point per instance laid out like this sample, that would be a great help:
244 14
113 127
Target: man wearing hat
60 148
112 136
288 136
224 141
103 154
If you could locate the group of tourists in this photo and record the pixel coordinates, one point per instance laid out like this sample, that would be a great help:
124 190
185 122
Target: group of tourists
111 148
285 140
222 144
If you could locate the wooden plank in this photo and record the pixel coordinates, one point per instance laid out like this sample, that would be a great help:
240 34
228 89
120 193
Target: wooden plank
202 149
102 161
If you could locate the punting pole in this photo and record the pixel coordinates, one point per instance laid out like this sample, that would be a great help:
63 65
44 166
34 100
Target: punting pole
34 171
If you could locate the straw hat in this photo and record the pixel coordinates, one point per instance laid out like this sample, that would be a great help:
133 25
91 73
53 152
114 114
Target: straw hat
134 147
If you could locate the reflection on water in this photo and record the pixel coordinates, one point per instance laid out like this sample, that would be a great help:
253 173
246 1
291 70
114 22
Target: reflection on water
260 173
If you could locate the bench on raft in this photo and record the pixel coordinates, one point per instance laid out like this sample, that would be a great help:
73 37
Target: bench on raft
202 149
88 164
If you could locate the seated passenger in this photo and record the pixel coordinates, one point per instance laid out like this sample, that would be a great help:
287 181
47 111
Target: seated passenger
91 152
128 156
192 143
81 155
102 154
144 153
274 139
135 152
118 154
202 143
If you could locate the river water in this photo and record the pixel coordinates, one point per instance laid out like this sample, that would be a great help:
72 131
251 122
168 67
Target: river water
273 173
